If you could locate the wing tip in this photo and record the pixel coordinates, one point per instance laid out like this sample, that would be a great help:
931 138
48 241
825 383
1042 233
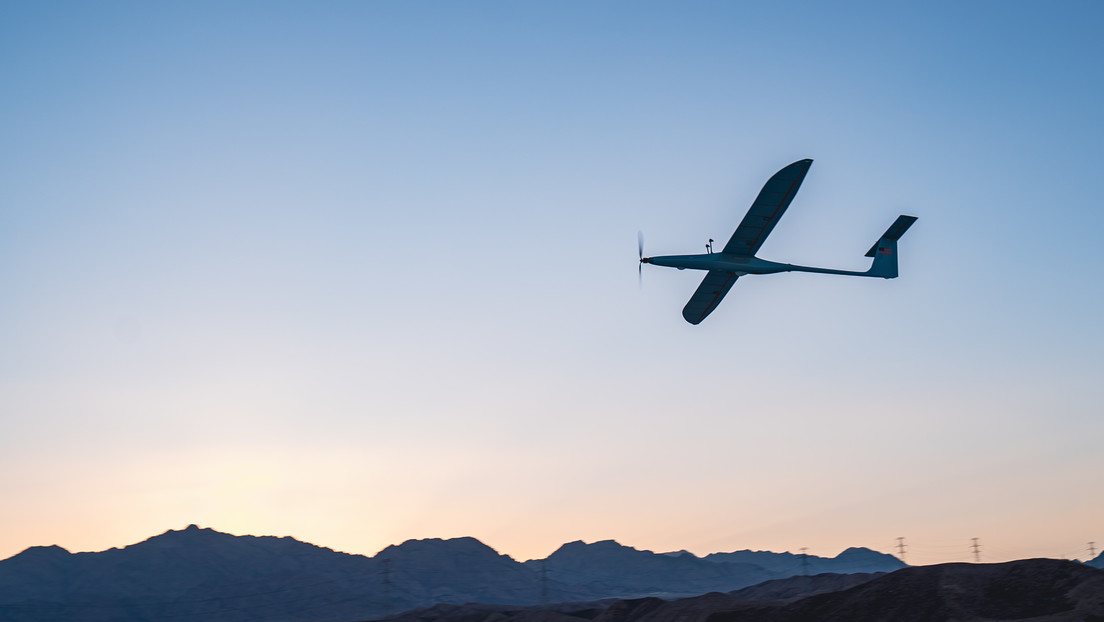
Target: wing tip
803 164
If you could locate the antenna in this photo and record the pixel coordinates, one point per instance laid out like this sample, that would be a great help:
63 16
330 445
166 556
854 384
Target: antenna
709 246
804 558
977 550
901 549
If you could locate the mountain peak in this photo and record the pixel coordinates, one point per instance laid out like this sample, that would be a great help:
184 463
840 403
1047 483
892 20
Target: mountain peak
47 553
191 531
465 545
578 546
189 536
857 551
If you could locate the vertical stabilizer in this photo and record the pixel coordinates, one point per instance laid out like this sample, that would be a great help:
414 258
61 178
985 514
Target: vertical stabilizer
884 250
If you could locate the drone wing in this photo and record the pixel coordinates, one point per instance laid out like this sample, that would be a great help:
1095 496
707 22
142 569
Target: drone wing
768 207
708 295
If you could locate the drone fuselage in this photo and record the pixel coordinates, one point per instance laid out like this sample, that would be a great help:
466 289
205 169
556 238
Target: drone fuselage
735 264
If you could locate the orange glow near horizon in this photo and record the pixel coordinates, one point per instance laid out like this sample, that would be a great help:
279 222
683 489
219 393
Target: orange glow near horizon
355 503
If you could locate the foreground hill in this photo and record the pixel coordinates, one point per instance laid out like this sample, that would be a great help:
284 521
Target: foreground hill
1037 589
1041 590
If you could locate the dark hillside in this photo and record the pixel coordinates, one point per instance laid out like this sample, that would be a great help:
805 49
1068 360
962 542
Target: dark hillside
1041 590
1059 590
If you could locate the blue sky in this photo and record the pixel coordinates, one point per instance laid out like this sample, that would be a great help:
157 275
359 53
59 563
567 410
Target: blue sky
364 272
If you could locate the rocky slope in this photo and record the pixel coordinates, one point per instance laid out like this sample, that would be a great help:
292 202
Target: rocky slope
1040 590
1036 589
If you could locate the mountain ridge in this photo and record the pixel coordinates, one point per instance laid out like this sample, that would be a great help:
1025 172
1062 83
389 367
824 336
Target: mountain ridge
218 576
196 529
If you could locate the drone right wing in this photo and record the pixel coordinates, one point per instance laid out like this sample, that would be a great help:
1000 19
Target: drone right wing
708 295
767 209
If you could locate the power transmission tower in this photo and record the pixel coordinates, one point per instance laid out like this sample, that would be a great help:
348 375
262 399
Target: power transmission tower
804 561
977 550
1092 550
544 582
387 587
901 549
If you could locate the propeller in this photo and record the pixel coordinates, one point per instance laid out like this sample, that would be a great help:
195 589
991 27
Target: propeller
640 257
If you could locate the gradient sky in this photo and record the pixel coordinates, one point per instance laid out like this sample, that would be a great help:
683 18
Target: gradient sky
365 272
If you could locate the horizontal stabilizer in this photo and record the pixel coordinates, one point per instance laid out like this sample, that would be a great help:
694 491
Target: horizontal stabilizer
894 233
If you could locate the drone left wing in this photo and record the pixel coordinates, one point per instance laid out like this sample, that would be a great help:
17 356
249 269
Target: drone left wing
768 207
708 295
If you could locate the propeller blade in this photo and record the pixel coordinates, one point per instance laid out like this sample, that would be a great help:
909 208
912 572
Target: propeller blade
640 258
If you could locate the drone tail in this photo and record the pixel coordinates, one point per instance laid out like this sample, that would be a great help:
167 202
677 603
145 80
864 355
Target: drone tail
884 250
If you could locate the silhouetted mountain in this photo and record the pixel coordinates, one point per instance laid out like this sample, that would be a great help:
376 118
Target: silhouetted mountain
199 573
202 573
1097 562
612 569
787 564
190 573
1038 589
464 570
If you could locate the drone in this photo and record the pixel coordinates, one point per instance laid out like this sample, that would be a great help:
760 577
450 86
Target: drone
737 258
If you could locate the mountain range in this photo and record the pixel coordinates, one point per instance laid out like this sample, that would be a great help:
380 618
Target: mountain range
198 573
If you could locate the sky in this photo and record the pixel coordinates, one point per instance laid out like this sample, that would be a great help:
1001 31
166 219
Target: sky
362 272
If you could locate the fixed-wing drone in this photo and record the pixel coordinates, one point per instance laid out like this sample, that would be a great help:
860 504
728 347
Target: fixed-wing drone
737 258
